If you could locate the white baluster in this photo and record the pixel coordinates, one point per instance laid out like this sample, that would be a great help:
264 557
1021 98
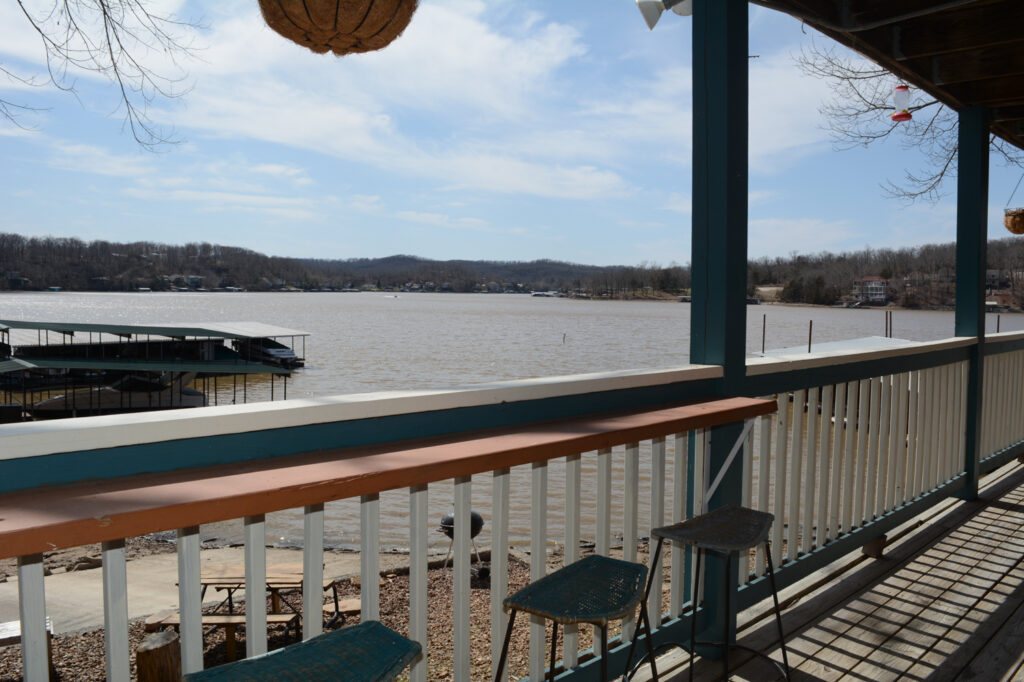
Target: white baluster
499 565
35 655
888 489
913 433
899 444
190 600
949 400
538 559
745 497
677 583
879 386
764 481
418 571
631 520
853 425
809 514
256 585
115 611
313 570
462 577
838 462
825 462
604 502
962 416
935 445
864 427
369 557
987 408
573 488
795 488
781 464
657 520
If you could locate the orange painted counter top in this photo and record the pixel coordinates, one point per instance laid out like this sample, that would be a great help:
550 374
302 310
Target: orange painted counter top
46 518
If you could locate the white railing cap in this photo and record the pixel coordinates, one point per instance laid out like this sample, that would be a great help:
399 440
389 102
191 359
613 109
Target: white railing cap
776 364
33 439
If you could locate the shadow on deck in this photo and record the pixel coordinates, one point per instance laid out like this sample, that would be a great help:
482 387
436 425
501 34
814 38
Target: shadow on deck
945 603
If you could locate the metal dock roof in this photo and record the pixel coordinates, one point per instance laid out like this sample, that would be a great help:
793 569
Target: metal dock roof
221 330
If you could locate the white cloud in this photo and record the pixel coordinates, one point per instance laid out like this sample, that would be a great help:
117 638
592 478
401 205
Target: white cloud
779 236
287 207
366 203
680 203
448 222
87 158
784 120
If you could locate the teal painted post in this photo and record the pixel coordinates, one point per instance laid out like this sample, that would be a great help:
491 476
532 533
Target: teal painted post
718 313
971 252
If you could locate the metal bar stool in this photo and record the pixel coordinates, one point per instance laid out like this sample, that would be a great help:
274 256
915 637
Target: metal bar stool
727 530
595 590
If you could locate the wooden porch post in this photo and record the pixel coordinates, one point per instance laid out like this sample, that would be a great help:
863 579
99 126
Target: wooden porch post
719 246
971 252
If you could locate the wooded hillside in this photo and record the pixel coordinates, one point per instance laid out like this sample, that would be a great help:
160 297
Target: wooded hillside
919 276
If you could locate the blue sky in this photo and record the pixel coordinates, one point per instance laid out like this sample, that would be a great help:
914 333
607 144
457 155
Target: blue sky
500 130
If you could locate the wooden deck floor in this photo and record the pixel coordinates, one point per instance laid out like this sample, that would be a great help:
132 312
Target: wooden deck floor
946 603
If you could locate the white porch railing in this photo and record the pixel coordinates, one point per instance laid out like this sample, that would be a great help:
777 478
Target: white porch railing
835 457
1002 415
150 505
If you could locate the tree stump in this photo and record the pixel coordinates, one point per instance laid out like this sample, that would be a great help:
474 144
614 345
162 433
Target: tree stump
158 658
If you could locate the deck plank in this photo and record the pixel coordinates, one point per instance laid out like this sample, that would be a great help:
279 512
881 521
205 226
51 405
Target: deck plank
947 596
955 594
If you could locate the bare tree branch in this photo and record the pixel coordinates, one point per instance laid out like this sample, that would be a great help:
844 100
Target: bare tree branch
119 39
858 116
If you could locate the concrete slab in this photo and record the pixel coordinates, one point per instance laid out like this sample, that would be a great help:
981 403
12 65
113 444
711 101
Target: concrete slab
74 601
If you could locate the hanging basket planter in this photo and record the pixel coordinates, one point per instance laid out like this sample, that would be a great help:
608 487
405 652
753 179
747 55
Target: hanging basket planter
1014 220
339 26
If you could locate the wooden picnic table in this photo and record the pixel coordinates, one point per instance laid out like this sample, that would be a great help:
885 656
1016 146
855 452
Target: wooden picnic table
280 577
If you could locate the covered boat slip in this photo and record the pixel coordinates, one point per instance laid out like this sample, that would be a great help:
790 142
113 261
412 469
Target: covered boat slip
64 369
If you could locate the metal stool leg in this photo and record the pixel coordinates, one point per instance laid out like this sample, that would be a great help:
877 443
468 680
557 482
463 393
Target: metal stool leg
778 614
693 611
504 649
647 593
728 606
649 637
554 648
604 652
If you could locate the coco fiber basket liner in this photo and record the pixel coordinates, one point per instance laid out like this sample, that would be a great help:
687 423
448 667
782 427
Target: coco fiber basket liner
1014 220
339 26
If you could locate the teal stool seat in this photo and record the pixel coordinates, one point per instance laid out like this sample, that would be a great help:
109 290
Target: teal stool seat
594 590
363 653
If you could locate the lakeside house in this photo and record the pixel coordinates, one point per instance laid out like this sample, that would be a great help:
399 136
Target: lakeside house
844 448
872 290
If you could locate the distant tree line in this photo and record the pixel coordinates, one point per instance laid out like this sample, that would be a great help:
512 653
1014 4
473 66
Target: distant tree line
922 276
39 263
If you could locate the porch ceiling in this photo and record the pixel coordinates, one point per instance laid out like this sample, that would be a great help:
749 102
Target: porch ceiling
962 52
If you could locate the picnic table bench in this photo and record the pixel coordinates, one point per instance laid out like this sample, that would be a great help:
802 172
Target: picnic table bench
279 578
228 621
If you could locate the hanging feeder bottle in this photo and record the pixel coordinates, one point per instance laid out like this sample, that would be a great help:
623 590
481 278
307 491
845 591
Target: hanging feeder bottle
901 98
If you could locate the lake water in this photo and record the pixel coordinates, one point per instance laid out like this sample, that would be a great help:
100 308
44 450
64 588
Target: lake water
375 341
